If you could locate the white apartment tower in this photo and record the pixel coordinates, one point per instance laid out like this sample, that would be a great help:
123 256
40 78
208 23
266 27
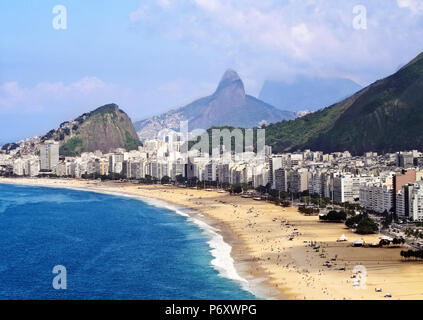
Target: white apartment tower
49 156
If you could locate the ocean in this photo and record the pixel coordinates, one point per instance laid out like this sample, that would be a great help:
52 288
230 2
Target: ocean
112 247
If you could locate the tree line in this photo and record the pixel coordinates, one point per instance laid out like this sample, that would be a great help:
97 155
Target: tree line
416 254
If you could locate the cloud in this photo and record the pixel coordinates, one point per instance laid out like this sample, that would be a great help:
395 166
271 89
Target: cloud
416 6
70 100
165 4
44 96
140 13
267 38
210 5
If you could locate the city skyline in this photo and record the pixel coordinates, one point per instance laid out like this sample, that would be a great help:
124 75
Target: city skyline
381 183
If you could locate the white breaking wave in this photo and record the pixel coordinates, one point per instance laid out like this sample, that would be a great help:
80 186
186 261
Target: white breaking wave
220 250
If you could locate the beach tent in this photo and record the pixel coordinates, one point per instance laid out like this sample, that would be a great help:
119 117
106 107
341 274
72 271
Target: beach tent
386 238
342 238
358 243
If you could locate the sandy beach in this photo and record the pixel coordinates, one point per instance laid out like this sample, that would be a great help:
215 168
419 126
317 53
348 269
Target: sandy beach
260 232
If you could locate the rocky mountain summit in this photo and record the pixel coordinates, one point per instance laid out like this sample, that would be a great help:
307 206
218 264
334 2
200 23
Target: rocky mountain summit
228 105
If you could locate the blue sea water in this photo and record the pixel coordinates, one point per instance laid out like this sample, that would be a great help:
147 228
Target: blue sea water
112 247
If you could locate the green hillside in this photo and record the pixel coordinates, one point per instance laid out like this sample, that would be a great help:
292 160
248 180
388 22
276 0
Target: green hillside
386 116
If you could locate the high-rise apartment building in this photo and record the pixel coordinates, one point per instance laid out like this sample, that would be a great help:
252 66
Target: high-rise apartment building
400 180
49 156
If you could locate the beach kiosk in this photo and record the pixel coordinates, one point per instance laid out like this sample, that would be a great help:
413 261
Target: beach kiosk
358 243
386 238
342 238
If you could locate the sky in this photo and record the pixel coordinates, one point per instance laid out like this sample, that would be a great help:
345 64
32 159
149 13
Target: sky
155 55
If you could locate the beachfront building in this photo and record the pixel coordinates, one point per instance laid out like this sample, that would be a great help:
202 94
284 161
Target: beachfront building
66 168
399 181
409 201
116 163
158 169
18 167
32 167
177 169
346 188
416 202
223 174
239 174
210 171
261 174
315 184
298 180
49 156
327 185
400 204
134 169
343 189
377 198
282 179
276 162
101 166
28 166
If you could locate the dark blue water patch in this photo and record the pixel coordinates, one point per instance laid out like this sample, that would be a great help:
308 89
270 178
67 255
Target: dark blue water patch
112 247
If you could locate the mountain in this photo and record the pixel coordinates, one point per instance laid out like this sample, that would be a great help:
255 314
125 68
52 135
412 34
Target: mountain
386 116
106 128
307 93
228 105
